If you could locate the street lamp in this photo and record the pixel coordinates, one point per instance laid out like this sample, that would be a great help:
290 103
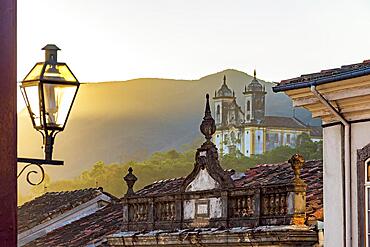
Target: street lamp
49 90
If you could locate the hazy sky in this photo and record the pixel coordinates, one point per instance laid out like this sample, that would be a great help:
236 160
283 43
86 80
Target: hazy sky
105 40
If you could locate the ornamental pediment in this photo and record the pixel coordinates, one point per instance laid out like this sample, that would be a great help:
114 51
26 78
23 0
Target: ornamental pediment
202 181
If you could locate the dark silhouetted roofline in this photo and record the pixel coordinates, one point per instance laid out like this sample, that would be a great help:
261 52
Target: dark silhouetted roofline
315 82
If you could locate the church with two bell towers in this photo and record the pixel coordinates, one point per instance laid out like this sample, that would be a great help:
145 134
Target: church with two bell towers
246 129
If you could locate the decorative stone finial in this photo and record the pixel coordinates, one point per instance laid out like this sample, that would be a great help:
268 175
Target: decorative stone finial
130 181
297 162
208 126
255 73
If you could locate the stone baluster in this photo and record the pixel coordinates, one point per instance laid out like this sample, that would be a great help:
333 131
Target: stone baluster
245 206
173 213
277 204
240 206
249 206
265 205
272 204
282 204
150 212
168 211
159 211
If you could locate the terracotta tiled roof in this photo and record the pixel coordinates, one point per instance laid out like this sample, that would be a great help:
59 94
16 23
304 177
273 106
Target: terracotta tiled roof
52 204
91 229
166 186
324 76
161 187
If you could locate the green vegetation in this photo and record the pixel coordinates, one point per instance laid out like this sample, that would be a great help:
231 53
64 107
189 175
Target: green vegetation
164 165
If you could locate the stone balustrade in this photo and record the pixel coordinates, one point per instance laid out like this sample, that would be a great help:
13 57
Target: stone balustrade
280 204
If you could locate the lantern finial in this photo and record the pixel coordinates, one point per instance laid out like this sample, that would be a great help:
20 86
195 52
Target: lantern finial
51 51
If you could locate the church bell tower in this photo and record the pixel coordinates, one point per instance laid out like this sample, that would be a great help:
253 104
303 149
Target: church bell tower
222 100
254 108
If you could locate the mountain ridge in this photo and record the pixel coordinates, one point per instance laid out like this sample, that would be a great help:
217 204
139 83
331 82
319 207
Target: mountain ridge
118 121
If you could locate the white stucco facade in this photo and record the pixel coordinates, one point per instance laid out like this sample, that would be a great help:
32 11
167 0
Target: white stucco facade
333 186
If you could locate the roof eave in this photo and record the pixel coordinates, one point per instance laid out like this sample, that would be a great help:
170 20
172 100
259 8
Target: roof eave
299 85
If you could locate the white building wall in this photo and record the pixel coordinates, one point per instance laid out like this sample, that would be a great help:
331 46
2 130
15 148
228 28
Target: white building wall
258 142
333 186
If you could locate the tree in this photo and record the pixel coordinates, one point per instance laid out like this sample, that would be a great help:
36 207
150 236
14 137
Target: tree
169 164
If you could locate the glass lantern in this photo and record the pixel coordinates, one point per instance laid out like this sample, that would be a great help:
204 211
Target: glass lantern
49 91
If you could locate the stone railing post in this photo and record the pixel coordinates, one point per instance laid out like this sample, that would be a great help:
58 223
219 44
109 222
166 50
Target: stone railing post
130 180
178 210
257 206
225 208
125 219
296 198
151 216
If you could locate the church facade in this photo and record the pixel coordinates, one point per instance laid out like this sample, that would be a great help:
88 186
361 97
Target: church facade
246 129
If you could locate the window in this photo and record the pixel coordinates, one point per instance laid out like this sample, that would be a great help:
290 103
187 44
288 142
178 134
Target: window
248 105
287 138
218 114
367 201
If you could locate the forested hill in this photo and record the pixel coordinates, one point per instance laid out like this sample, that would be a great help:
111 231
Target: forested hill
165 165
129 120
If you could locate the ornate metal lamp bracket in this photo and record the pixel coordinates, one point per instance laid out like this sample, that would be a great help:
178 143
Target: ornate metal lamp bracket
36 164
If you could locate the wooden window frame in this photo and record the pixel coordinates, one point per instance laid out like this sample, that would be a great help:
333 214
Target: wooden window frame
363 157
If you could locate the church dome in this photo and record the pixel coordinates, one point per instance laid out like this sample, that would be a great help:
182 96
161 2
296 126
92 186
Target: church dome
255 86
224 91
